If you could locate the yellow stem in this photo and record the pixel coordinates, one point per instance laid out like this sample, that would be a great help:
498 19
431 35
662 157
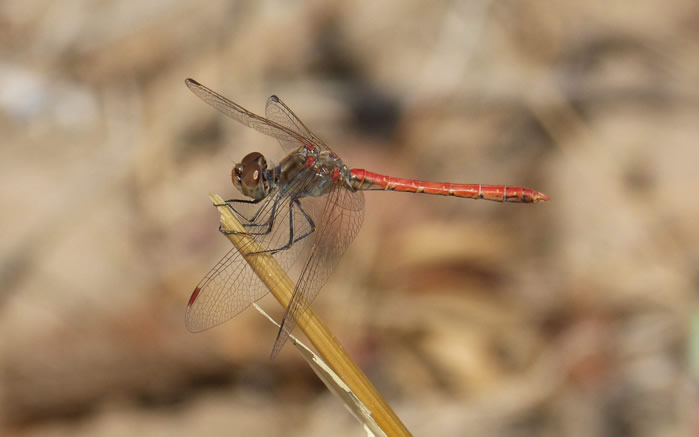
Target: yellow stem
281 287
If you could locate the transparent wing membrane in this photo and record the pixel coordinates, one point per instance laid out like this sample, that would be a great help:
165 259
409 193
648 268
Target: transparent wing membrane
249 119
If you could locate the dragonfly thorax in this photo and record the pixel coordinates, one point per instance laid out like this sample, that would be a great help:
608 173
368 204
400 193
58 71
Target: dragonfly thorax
250 176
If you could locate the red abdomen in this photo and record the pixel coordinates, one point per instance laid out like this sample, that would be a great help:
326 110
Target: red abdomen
364 180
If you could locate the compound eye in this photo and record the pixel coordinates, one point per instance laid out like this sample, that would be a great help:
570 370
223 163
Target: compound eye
251 174
254 158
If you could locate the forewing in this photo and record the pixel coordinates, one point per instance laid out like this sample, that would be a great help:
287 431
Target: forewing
228 288
285 135
278 112
341 217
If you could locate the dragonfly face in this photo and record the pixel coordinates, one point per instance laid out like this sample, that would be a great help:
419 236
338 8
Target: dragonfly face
250 176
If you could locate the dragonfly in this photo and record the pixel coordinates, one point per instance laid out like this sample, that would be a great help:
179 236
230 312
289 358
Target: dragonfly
305 211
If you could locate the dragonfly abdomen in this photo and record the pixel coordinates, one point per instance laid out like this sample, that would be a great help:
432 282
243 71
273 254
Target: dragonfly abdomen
365 180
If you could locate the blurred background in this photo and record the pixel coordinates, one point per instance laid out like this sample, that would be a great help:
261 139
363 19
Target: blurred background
571 317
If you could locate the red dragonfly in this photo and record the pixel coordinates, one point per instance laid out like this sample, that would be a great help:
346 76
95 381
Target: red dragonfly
307 209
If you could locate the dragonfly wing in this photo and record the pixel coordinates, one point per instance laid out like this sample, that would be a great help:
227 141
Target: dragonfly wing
228 288
236 112
278 112
340 218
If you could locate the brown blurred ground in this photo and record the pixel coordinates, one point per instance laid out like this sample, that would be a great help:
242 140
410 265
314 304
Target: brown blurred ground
472 318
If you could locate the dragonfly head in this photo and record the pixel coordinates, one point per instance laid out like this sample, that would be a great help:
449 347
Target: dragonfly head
250 176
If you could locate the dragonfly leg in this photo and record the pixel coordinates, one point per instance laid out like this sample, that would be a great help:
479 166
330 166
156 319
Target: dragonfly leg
245 201
269 224
311 225
250 222
292 240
